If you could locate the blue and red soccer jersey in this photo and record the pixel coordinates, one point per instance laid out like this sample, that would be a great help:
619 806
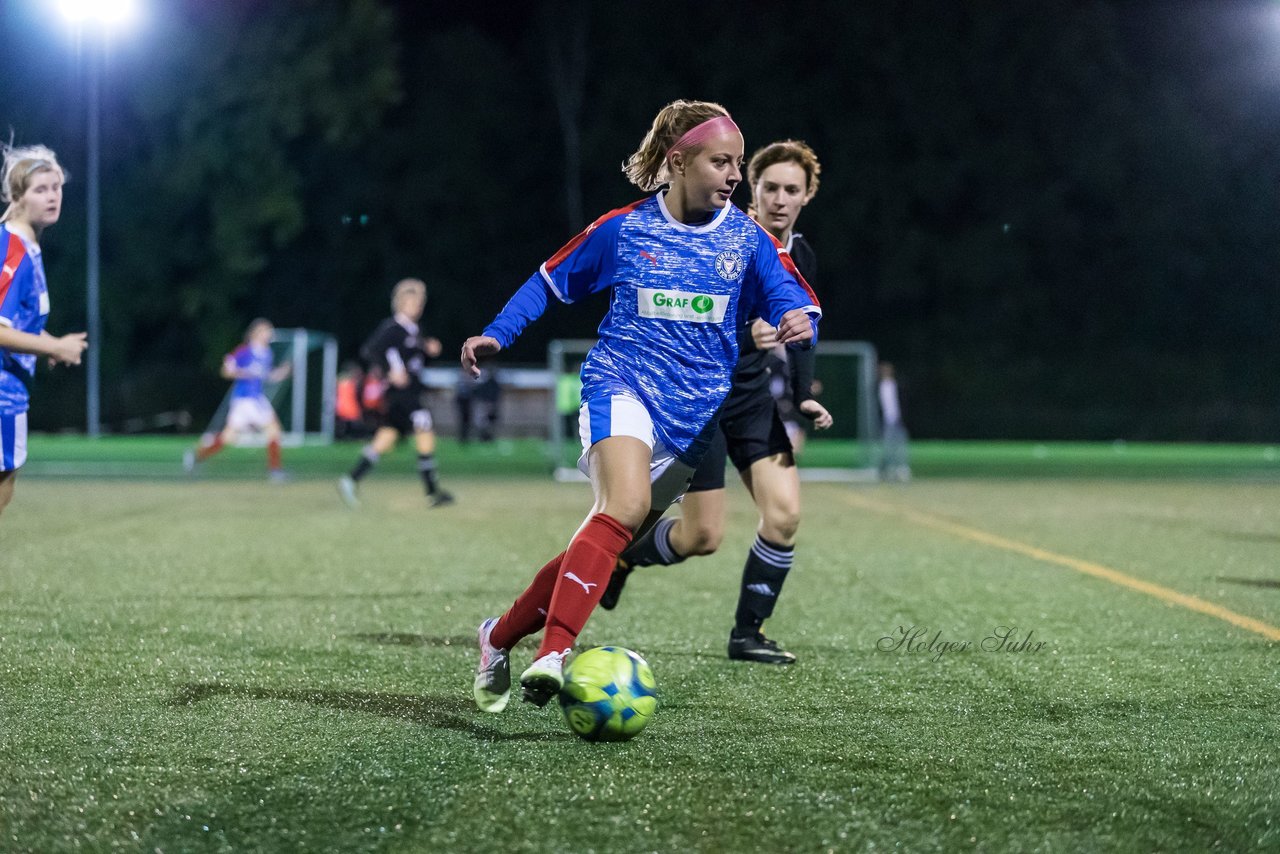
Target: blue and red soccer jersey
680 292
252 366
24 306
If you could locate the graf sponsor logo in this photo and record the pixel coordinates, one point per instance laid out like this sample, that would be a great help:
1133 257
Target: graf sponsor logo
678 305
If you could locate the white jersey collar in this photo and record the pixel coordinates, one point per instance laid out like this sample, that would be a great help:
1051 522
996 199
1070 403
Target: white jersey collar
710 225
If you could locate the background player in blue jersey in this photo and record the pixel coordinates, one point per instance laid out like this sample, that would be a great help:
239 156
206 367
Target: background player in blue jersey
31 187
399 350
783 178
684 268
250 366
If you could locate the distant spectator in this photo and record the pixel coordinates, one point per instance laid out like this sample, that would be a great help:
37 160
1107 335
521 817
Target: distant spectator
349 414
477 402
373 397
893 430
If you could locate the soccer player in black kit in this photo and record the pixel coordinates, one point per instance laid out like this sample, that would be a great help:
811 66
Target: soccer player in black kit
783 177
398 347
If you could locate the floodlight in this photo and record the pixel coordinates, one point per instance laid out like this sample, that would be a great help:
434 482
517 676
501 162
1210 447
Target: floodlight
108 13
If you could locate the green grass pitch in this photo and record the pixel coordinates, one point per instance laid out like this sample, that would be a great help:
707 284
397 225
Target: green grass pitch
221 664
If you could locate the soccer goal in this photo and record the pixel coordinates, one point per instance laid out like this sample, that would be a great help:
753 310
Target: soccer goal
303 400
845 378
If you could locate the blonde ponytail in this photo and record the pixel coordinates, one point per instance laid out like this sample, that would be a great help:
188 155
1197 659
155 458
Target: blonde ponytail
647 166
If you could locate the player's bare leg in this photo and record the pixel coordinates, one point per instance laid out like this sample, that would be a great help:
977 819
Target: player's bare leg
384 439
227 436
425 441
698 530
619 470
7 479
774 484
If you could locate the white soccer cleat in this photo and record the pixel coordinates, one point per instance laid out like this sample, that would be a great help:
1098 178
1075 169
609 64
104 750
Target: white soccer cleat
492 687
544 678
347 491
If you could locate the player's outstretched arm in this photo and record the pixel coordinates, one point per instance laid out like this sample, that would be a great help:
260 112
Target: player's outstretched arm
475 348
65 349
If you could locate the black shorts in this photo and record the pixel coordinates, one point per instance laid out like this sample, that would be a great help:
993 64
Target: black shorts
408 414
749 431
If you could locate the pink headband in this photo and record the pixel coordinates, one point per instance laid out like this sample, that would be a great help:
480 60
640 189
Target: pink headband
702 132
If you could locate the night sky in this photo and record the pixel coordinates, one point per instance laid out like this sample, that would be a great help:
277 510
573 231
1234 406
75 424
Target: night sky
1057 218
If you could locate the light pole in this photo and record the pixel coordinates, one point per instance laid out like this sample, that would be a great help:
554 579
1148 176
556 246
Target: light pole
96 18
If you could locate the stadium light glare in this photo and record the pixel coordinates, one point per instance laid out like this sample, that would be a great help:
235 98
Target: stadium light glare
111 13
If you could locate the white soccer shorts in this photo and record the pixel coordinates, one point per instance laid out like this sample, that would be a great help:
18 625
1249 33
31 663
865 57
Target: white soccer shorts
13 441
623 415
250 413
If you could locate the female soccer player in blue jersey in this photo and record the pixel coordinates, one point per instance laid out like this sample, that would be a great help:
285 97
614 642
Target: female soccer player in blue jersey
249 367
783 177
31 186
685 268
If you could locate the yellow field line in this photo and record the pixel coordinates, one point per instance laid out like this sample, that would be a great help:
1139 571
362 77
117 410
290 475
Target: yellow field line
1164 594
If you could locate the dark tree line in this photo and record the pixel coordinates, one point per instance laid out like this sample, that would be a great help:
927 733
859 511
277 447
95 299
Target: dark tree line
1057 218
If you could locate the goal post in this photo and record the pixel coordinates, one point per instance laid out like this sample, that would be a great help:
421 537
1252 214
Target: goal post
303 400
845 376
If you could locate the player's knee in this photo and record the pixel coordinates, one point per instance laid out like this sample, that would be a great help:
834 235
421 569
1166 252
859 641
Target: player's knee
703 539
780 524
628 511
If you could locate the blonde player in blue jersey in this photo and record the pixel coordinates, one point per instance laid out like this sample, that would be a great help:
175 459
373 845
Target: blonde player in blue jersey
31 186
783 178
685 268
249 366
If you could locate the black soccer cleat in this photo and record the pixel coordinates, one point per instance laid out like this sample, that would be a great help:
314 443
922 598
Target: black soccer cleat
613 591
758 648
440 499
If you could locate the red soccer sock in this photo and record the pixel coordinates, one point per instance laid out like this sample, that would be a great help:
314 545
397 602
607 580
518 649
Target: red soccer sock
585 571
273 455
529 612
205 451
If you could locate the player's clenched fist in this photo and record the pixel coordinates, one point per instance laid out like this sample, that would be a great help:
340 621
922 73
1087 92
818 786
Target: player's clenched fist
795 327
67 349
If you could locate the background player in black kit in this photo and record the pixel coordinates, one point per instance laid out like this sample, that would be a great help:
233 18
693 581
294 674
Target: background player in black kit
399 349
783 177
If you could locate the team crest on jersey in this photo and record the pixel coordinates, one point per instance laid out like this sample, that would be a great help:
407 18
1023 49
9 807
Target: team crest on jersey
729 265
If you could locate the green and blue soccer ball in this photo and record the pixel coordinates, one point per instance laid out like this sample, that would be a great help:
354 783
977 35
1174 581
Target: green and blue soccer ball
609 694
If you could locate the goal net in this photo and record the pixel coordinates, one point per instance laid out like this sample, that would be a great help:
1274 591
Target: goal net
844 382
304 400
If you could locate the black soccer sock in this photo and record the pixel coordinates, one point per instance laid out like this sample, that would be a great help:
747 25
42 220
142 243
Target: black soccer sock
427 468
762 577
368 459
653 548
